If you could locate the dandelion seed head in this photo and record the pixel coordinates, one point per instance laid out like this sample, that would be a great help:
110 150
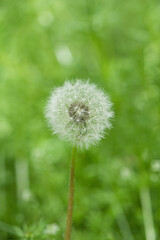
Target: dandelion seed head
79 112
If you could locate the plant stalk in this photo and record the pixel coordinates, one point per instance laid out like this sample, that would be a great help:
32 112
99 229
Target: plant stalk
71 196
147 214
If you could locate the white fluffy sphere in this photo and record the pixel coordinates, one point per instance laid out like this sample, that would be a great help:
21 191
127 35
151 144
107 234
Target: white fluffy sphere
79 112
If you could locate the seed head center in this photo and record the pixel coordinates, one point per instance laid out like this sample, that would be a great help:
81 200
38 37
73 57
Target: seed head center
79 112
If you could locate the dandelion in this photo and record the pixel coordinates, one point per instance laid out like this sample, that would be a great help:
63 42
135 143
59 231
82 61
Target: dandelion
78 112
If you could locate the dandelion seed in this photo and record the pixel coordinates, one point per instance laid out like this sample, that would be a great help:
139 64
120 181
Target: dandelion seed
79 112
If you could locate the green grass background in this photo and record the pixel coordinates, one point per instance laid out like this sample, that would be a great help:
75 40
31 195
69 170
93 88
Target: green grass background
117 45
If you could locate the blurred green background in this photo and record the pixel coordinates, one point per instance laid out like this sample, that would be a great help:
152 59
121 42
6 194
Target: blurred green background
117 45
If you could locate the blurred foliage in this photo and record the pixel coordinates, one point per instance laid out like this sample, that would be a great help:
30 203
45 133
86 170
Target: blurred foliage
117 45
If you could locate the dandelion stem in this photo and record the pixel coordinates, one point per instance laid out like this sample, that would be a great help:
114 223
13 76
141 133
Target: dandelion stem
71 196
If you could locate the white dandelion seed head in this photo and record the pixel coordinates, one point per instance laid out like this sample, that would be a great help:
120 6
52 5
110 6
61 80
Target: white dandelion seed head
79 112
